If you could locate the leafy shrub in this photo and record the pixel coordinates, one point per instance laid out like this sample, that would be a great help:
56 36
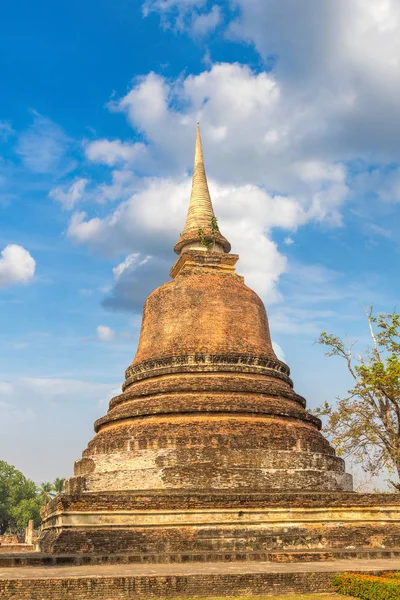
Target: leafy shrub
368 587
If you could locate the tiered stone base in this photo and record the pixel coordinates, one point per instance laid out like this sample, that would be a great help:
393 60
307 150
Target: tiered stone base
172 526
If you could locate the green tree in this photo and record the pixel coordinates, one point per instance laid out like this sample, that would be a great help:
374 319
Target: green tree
24 511
366 423
15 490
45 492
59 485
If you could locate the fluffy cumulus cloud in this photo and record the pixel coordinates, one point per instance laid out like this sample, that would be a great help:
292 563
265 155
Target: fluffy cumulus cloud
112 152
336 62
261 175
283 147
16 265
343 58
252 131
105 333
151 220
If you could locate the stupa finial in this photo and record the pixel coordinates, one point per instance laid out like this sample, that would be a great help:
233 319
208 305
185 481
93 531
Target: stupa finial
200 221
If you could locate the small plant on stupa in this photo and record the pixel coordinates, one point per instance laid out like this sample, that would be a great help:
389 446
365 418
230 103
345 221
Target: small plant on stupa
205 241
214 226
208 241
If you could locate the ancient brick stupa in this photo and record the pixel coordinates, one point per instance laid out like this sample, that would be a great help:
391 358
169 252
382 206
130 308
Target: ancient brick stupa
208 451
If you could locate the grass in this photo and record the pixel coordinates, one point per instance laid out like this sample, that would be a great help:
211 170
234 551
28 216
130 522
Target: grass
316 596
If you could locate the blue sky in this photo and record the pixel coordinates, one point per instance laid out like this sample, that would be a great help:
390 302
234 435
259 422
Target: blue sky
300 116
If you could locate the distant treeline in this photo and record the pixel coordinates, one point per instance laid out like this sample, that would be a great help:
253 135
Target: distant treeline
21 499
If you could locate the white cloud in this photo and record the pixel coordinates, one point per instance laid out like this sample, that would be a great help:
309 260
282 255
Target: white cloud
105 333
146 103
43 147
336 63
383 182
69 196
342 57
132 261
246 138
277 146
198 16
149 222
253 132
166 5
203 24
152 219
112 152
16 265
134 279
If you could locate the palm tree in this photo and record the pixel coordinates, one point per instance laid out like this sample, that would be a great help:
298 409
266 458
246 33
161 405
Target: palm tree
45 490
59 485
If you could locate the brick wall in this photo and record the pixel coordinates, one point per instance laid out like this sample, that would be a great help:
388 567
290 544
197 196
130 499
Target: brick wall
174 586
176 500
15 548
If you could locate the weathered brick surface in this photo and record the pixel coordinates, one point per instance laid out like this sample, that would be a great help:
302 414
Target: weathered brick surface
10 548
10 538
201 583
204 313
206 405
175 586
179 500
218 540
205 381
38 559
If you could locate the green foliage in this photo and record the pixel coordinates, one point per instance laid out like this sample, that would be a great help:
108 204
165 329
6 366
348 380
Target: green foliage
204 239
368 587
45 492
21 499
214 226
15 491
366 423
59 485
24 511
207 239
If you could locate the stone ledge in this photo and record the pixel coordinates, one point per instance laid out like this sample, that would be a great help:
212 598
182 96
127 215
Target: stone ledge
39 559
274 518
175 499
209 383
238 363
208 405
15 548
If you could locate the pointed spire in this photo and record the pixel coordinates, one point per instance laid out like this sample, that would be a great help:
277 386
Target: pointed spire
200 210
200 216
